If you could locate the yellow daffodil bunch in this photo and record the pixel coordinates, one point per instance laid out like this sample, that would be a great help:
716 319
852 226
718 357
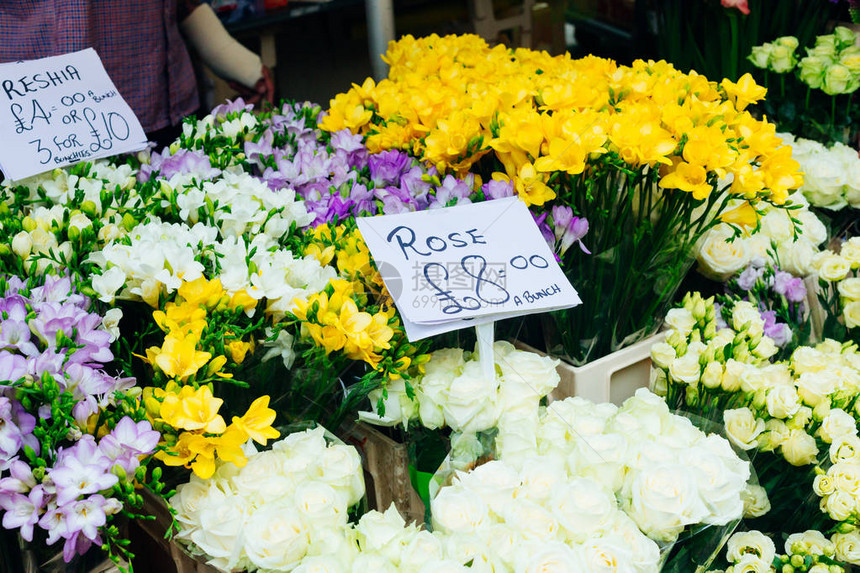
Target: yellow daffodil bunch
453 100
194 434
635 162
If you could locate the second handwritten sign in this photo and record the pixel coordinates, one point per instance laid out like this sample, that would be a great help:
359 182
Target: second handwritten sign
467 262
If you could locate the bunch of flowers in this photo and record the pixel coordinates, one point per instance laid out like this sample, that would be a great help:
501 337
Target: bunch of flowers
797 414
286 509
74 440
637 155
830 173
788 238
453 392
537 518
807 103
665 473
839 291
807 551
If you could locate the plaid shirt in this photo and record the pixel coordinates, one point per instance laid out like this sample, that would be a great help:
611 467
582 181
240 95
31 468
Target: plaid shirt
138 41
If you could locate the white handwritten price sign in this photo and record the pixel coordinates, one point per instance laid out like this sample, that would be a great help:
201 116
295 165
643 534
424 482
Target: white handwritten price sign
60 110
462 266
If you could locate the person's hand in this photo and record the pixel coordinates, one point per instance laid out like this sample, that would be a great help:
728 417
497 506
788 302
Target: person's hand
263 90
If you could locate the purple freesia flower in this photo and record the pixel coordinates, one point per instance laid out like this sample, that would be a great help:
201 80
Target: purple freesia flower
12 366
387 167
58 290
182 162
127 441
362 197
22 511
15 334
349 147
575 231
16 430
20 479
262 147
236 106
545 231
495 189
75 477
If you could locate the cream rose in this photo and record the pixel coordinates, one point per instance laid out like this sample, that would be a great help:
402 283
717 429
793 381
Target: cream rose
742 427
851 251
832 267
276 538
750 542
782 401
817 387
851 314
681 320
845 448
663 499
847 547
849 288
662 355
756 502
458 510
718 258
799 448
836 424
839 505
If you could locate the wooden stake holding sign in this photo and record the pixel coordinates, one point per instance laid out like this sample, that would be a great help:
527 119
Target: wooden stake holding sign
466 266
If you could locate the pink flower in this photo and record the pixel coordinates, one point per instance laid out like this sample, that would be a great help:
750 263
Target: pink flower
739 4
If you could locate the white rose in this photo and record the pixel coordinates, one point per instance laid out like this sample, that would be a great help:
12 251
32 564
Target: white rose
517 437
681 320
851 314
263 479
608 553
720 259
799 448
850 288
457 510
731 381
751 564
276 538
756 502
320 504
539 475
845 448
444 566
750 542
430 394
846 477
662 355
581 506
447 363
782 401
686 369
777 225
548 557
746 314
220 527
810 541
832 267
847 547
719 487
423 547
340 542
742 427
470 401
836 424
494 482
796 257
340 467
808 359
823 178
188 500
365 562
851 250
663 500
535 371
811 226
531 521
603 458
816 387
382 533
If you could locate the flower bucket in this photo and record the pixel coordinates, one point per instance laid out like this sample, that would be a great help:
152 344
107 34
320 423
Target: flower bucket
386 471
612 378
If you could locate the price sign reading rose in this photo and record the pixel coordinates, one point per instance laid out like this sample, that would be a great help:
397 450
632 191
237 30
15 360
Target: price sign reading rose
462 266
60 110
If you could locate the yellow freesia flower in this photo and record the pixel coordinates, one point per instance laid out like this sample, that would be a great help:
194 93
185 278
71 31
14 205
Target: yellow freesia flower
744 215
191 409
744 92
530 187
257 421
202 292
688 177
179 357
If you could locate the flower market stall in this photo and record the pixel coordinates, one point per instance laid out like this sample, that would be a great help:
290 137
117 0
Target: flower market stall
206 363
